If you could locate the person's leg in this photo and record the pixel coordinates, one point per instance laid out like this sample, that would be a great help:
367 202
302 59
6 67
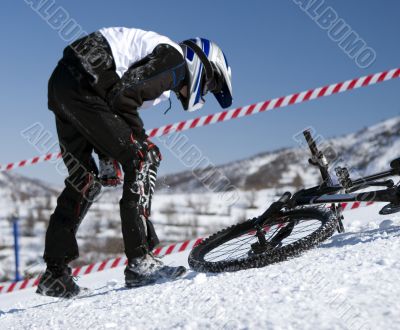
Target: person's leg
111 135
80 191
72 205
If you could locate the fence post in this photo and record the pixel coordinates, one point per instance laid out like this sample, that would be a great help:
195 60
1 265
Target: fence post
14 220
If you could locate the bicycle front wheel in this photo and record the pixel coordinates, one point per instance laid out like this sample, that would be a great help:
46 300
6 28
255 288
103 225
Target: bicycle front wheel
287 235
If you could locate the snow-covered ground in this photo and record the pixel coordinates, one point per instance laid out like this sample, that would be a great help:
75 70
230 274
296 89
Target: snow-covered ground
349 282
352 281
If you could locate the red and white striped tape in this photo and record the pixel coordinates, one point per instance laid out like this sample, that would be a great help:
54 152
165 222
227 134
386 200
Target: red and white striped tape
31 161
100 266
121 261
279 102
355 205
248 110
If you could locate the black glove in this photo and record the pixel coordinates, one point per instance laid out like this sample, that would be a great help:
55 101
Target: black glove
147 151
153 153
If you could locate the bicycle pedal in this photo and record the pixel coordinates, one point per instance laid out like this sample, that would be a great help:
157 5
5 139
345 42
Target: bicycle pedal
390 209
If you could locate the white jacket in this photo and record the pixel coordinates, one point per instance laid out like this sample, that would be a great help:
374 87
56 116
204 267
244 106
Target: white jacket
130 45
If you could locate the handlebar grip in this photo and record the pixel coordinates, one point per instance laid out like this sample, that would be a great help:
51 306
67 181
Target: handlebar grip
311 142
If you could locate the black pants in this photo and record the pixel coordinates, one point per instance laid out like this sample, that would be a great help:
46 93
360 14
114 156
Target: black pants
84 123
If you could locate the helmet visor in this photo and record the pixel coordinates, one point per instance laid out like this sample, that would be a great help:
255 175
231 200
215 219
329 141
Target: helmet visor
224 97
219 87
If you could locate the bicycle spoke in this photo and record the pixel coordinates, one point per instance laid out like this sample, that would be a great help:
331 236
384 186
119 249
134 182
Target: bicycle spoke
233 242
240 246
236 246
227 257
237 249
225 249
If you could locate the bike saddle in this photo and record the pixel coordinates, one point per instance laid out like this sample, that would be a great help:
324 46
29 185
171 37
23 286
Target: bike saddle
390 209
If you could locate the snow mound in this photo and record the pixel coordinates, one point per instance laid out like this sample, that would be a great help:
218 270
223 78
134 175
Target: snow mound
349 282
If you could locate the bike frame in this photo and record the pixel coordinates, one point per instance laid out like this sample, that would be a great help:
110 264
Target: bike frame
317 196
329 193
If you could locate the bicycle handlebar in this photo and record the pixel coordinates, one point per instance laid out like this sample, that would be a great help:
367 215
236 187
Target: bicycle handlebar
318 158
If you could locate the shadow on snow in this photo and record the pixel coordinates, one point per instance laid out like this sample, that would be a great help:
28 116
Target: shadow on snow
353 238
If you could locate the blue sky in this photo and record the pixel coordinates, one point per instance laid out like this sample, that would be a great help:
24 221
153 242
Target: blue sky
274 49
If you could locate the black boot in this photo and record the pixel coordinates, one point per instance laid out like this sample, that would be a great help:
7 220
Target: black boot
57 281
149 269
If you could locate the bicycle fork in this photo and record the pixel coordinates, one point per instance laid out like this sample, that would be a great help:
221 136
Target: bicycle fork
263 245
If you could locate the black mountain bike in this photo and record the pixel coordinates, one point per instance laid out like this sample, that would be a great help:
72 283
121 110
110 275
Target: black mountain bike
295 223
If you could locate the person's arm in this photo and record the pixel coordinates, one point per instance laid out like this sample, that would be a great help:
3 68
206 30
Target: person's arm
162 70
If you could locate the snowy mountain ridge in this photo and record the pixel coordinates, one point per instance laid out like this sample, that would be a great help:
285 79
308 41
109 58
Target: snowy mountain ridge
19 193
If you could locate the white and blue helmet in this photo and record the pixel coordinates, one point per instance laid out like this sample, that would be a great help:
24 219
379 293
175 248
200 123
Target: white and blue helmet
208 71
